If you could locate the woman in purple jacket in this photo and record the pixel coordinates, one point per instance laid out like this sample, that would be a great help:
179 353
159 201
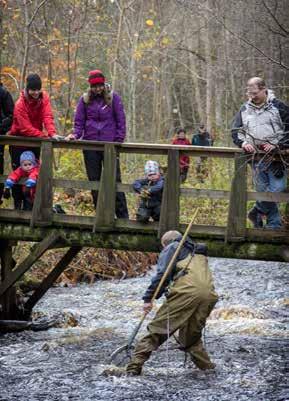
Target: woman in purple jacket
100 117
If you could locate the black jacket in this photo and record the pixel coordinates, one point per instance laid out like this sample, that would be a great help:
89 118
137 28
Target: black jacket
6 110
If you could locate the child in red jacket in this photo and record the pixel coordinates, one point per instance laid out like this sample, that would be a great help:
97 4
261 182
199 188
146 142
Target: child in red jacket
29 168
181 139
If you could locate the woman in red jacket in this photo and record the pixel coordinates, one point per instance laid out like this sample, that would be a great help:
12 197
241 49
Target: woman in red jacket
32 118
181 139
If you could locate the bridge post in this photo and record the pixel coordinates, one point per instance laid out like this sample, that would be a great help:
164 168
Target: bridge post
8 300
105 209
170 210
236 222
22 268
43 202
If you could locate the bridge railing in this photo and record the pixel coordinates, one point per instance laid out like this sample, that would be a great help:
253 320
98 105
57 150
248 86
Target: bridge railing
104 218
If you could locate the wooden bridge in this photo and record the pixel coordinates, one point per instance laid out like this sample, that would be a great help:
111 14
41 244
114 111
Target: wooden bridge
49 230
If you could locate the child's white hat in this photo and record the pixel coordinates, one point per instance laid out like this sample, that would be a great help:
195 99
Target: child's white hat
151 167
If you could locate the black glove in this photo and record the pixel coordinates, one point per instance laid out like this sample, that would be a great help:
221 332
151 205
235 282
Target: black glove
6 193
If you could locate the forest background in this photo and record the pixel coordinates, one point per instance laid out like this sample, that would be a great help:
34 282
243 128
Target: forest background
175 63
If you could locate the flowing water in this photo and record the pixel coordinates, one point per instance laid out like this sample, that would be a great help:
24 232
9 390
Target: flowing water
246 335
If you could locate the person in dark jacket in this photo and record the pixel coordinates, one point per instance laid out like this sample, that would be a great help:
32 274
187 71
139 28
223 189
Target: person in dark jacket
100 117
6 117
150 190
190 298
202 138
262 123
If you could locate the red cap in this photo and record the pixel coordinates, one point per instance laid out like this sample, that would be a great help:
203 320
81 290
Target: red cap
96 77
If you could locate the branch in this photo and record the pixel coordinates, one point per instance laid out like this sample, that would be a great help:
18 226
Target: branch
36 11
273 16
239 37
192 52
13 78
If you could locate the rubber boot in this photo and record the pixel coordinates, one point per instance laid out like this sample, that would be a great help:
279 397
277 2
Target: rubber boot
143 351
200 356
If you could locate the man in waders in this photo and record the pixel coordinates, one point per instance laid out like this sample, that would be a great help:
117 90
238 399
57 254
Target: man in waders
190 297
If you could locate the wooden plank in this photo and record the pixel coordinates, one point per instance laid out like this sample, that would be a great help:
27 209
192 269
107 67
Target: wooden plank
14 215
269 196
7 300
76 184
187 192
145 148
236 223
20 141
51 278
105 209
170 210
205 230
84 222
205 193
43 202
37 252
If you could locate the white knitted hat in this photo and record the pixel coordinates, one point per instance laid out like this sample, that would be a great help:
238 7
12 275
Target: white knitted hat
151 167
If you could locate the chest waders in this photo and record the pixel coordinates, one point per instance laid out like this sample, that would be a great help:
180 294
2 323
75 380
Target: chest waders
122 354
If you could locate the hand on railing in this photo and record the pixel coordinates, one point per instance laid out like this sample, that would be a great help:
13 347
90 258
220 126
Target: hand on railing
58 137
248 147
267 147
70 137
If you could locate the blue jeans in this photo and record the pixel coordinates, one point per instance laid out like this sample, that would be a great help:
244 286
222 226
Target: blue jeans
265 181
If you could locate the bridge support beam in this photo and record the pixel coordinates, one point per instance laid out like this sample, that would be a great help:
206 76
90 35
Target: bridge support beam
50 279
8 301
13 275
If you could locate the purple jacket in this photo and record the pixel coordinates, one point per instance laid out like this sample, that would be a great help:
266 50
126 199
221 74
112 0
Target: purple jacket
97 121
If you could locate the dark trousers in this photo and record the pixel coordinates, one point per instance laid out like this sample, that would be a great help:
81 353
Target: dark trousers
184 173
21 200
144 212
93 160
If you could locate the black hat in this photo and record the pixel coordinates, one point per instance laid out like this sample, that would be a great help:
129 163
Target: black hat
33 82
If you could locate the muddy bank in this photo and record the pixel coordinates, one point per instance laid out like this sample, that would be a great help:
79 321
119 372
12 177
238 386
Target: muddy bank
247 337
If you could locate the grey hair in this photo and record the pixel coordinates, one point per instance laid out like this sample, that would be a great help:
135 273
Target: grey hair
170 236
260 82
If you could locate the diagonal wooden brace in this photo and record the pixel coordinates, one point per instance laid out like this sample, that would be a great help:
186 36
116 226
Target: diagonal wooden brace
51 278
38 251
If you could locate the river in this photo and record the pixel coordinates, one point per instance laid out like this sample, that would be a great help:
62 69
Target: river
247 336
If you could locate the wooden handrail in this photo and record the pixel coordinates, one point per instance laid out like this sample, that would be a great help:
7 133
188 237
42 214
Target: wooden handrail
127 147
104 220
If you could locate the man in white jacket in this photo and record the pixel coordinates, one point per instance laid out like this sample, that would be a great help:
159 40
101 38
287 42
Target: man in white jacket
262 123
